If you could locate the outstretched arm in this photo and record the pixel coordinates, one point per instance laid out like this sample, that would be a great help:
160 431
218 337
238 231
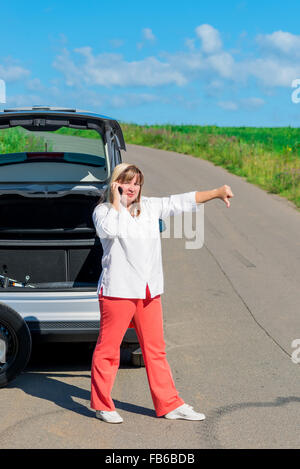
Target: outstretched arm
224 193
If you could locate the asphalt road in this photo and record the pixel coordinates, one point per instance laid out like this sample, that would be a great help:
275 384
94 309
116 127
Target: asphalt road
231 313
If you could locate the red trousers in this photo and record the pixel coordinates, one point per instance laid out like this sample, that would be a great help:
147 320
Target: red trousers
146 317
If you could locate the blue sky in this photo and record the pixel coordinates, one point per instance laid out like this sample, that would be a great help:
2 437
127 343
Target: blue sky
226 62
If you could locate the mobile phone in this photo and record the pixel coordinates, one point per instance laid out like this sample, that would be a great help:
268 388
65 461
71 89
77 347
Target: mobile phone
120 190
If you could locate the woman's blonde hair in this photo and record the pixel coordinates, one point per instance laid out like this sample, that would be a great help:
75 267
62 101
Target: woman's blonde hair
122 173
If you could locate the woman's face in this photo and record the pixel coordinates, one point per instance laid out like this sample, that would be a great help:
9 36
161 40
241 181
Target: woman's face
131 189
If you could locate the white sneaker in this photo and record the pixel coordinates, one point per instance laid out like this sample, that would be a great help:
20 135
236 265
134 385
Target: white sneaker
185 412
110 416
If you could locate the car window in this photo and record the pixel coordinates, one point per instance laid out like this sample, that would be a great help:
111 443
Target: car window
83 149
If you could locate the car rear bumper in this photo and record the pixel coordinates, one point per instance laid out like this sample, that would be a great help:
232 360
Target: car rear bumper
64 331
60 316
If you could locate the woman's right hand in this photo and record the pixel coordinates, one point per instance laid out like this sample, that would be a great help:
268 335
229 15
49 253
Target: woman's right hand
114 187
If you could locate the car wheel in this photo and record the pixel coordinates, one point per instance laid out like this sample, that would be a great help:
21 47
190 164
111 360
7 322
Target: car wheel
15 344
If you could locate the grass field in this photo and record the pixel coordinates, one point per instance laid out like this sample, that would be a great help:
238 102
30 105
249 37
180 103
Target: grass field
267 157
14 140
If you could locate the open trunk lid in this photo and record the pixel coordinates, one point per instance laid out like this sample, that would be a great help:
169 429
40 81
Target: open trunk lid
43 147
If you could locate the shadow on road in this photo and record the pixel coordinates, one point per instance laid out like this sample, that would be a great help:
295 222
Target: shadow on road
215 417
51 366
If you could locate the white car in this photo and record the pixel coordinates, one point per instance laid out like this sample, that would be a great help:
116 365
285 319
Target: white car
50 256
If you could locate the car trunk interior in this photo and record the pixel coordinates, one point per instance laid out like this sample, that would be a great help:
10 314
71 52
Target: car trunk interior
52 240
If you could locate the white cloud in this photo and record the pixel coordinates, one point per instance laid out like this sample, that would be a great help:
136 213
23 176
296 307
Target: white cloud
252 103
131 100
190 43
214 88
209 65
65 64
193 65
186 62
11 73
95 100
211 62
116 43
216 85
271 72
248 104
112 70
211 41
280 63
280 41
228 105
223 63
148 34
24 100
34 84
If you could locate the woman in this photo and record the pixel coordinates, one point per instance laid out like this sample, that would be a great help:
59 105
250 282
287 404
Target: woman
130 286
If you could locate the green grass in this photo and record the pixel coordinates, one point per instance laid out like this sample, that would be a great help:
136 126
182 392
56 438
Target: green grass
14 140
267 157
78 132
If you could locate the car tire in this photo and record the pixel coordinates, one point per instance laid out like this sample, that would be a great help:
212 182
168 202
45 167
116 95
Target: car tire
15 344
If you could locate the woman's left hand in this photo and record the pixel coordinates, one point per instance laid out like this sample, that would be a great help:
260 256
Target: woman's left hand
225 194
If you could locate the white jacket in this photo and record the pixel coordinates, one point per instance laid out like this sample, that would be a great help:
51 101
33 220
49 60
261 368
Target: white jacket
132 245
